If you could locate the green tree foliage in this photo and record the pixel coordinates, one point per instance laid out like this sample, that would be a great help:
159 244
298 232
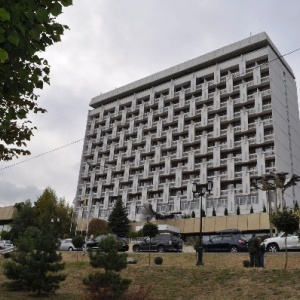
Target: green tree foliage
78 241
118 221
286 221
50 209
251 210
36 263
150 230
193 214
238 210
27 28
203 214
108 285
24 218
97 227
225 211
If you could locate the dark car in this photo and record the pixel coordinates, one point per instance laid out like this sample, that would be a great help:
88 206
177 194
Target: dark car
226 243
122 242
160 243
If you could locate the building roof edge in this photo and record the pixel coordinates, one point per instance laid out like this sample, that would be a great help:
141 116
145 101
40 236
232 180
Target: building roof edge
216 56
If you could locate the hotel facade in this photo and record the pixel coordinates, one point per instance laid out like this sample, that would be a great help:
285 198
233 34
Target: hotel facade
229 116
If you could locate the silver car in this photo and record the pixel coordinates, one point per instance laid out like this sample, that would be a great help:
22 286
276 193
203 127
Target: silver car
67 245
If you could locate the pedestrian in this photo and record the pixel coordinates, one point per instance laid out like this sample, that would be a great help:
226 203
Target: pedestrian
254 248
262 251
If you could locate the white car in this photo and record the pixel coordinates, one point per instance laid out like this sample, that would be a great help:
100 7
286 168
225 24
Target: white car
277 243
4 244
67 245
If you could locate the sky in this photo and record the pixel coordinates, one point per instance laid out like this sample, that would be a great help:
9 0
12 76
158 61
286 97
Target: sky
114 42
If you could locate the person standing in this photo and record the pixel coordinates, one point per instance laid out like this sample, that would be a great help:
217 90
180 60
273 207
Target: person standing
254 248
262 251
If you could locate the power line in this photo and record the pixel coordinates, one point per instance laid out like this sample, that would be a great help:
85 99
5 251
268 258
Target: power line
42 154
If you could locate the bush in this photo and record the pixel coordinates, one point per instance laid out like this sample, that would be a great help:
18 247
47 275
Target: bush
246 263
158 260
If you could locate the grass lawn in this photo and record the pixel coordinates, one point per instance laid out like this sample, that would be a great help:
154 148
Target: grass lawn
222 277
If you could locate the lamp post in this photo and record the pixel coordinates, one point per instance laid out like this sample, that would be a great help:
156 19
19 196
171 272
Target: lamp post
201 190
266 185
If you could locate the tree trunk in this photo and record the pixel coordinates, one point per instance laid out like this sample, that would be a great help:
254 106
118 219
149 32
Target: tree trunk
286 254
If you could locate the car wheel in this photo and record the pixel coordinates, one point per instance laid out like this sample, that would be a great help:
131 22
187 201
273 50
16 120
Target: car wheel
136 249
234 249
160 248
272 247
70 249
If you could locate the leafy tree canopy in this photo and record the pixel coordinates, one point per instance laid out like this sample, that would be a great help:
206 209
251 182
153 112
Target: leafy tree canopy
97 227
27 28
118 221
150 229
286 221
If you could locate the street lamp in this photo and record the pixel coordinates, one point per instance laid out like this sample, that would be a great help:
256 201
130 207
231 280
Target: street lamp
267 184
201 190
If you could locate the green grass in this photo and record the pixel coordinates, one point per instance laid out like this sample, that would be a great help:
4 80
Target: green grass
222 277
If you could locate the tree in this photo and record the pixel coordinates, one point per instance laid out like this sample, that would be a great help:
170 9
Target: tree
24 218
193 214
286 221
150 230
251 210
214 212
238 210
78 241
36 263
27 29
225 211
108 285
118 221
203 214
97 227
49 208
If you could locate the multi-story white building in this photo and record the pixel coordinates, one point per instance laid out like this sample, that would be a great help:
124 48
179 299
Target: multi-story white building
228 116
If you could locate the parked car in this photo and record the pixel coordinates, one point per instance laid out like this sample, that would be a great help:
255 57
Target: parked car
6 244
226 242
122 242
67 245
160 243
277 243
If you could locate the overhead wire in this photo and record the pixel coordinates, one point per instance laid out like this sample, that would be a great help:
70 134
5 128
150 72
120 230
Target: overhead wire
74 142
42 154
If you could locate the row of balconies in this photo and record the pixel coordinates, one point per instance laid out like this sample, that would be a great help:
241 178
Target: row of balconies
210 83
187 102
186 141
265 108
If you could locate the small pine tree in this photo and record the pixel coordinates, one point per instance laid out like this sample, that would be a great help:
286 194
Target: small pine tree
108 285
214 212
238 210
36 263
193 214
225 211
296 206
251 210
203 214
118 221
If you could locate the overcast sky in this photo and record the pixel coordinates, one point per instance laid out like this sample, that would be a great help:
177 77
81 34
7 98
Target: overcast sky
114 42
